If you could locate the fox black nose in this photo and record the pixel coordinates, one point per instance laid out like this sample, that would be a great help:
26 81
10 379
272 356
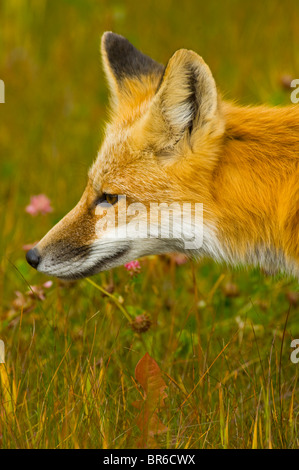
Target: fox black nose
33 257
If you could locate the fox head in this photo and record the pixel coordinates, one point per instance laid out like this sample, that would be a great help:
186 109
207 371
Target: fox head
161 145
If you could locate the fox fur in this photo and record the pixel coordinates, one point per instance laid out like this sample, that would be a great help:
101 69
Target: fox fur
171 138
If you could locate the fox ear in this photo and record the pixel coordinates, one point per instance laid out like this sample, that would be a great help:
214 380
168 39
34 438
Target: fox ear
129 71
186 101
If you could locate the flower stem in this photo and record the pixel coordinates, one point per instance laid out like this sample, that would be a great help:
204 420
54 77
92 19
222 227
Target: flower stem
124 311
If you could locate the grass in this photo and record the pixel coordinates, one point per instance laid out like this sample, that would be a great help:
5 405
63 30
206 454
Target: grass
221 337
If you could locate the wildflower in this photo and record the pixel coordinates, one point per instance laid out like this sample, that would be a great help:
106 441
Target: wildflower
27 301
39 204
231 290
286 81
179 259
21 301
38 291
29 246
141 323
133 267
293 298
48 284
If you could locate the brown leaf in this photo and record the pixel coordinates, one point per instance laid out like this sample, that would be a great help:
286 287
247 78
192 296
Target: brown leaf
149 376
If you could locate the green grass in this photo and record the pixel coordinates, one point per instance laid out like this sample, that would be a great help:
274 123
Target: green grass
68 380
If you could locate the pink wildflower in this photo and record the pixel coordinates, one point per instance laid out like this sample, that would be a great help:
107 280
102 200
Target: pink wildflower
39 204
179 259
48 284
38 291
133 267
29 246
141 323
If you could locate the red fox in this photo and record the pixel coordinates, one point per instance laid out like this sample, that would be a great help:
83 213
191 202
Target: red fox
171 139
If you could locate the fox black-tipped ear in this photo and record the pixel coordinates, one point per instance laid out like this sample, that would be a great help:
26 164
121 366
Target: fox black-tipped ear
124 60
125 66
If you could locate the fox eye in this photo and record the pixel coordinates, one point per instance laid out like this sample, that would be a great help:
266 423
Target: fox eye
110 198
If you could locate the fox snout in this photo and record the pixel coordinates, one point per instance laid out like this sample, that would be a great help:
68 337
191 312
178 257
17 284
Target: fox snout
71 250
33 257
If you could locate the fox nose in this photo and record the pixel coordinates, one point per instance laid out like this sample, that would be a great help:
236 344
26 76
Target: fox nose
33 257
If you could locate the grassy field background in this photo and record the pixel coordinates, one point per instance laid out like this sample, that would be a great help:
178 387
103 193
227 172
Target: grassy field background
221 337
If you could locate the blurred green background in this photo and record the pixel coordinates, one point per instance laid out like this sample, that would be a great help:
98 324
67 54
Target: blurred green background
51 126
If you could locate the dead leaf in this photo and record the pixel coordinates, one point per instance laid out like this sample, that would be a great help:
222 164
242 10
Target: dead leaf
149 376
